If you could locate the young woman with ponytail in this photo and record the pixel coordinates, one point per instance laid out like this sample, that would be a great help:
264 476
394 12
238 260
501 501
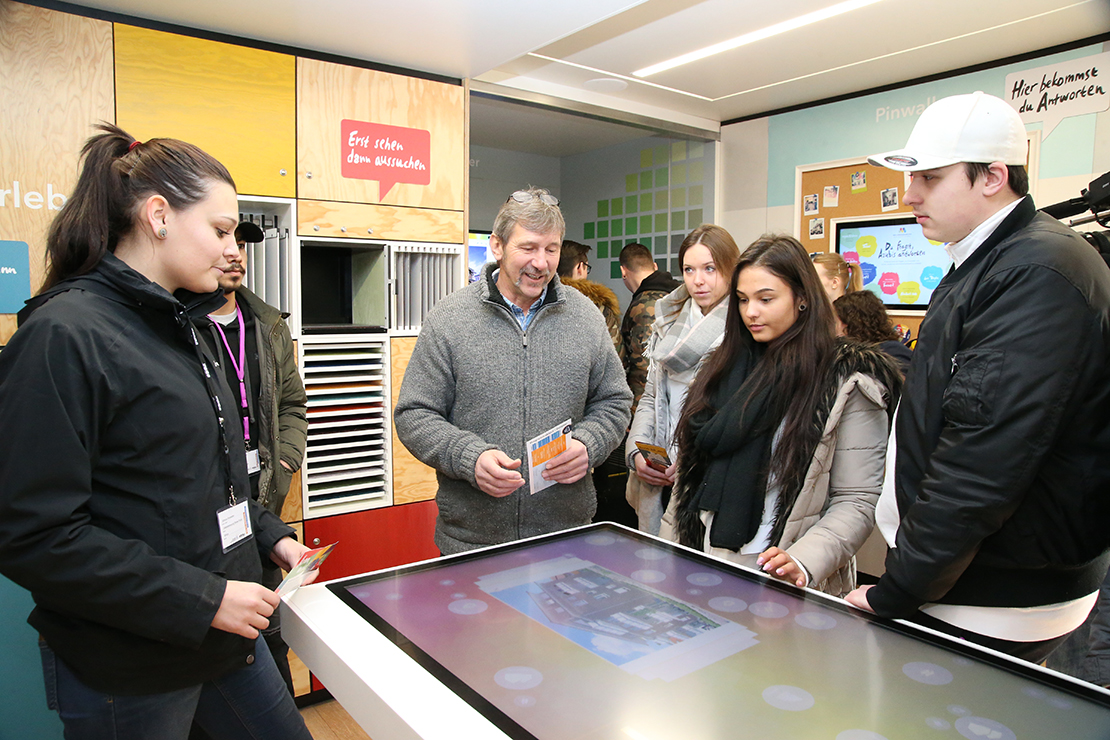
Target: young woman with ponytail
837 275
783 437
125 504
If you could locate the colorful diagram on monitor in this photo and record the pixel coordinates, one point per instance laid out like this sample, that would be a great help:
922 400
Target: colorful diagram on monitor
896 261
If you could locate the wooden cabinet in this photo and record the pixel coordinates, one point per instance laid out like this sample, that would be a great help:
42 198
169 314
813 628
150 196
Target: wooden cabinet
329 94
375 539
234 102
361 221
412 479
55 83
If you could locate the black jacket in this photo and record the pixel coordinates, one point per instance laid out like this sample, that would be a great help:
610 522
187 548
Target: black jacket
1003 464
113 472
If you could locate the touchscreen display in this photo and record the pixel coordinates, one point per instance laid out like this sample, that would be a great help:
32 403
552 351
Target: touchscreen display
606 633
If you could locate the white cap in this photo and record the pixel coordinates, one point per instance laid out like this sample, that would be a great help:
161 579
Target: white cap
962 128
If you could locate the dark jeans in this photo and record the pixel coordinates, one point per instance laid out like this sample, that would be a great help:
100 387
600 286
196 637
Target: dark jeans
1034 652
251 703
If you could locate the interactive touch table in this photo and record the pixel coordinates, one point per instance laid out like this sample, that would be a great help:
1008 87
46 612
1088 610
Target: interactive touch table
602 632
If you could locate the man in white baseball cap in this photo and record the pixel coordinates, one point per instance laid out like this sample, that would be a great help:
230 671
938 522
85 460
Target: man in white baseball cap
996 502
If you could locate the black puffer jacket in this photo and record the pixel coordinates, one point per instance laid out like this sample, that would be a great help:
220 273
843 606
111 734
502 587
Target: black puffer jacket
113 472
1003 466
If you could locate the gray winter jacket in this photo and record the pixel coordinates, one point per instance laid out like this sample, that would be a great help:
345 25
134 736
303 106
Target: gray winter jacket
477 382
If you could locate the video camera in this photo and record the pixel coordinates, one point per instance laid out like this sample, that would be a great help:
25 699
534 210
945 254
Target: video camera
1096 199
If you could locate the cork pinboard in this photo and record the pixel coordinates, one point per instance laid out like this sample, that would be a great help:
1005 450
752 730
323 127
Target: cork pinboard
846 189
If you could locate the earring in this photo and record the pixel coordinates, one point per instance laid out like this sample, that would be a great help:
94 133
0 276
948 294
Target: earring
802 307
161 233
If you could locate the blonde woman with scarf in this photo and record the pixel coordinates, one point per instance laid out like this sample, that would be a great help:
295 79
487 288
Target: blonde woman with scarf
689 323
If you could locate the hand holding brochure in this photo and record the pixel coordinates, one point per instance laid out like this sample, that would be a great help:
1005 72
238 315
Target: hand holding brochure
655 456
543 448
309 563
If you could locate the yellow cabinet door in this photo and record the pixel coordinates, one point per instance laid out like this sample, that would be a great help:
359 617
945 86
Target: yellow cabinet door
237 104
55 83
365 136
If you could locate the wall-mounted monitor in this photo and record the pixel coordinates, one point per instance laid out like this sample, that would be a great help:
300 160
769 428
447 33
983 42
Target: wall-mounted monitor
477 253
899 264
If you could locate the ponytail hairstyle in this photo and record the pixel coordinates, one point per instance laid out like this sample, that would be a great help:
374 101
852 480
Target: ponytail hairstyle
118 174
722 247
836 266
793 367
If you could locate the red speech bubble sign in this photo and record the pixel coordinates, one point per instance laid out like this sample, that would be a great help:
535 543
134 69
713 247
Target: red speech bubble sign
388 154
889 282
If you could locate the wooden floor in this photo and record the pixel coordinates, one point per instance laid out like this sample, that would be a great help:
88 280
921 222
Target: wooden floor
329 721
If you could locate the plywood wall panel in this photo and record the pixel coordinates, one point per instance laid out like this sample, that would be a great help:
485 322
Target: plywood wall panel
55 83
412 479
363 221
234 102
328 93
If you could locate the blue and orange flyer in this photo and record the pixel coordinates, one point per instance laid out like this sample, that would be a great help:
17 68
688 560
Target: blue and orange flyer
309 563
543 448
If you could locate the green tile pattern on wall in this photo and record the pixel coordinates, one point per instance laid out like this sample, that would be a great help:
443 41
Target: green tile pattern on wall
615 270
661 202
588 230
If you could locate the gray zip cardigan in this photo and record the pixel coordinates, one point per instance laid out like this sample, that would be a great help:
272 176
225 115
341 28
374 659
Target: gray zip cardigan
476 382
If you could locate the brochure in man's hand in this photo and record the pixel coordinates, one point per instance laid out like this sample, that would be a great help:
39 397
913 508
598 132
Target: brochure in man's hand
655 456
543 448
309 563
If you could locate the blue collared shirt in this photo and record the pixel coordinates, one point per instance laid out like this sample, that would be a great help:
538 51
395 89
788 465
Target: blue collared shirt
524 319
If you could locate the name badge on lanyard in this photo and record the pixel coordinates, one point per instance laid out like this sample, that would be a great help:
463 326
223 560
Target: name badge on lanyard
235 525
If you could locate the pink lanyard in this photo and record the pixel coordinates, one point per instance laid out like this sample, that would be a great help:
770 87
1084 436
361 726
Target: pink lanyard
240 369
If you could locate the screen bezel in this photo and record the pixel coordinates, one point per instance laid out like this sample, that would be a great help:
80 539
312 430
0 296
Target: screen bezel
341 589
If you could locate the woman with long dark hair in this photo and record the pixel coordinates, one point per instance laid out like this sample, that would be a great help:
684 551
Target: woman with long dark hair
783 438
126 508
689 322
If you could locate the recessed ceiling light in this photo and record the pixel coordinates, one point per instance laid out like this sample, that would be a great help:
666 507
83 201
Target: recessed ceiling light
605 85
763 33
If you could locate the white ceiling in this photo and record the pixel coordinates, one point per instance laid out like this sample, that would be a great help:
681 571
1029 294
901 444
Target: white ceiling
549 52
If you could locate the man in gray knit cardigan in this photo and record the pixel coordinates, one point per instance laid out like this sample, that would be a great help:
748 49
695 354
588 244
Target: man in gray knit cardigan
500 362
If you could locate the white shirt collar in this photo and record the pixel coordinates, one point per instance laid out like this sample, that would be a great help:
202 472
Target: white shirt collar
964 248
